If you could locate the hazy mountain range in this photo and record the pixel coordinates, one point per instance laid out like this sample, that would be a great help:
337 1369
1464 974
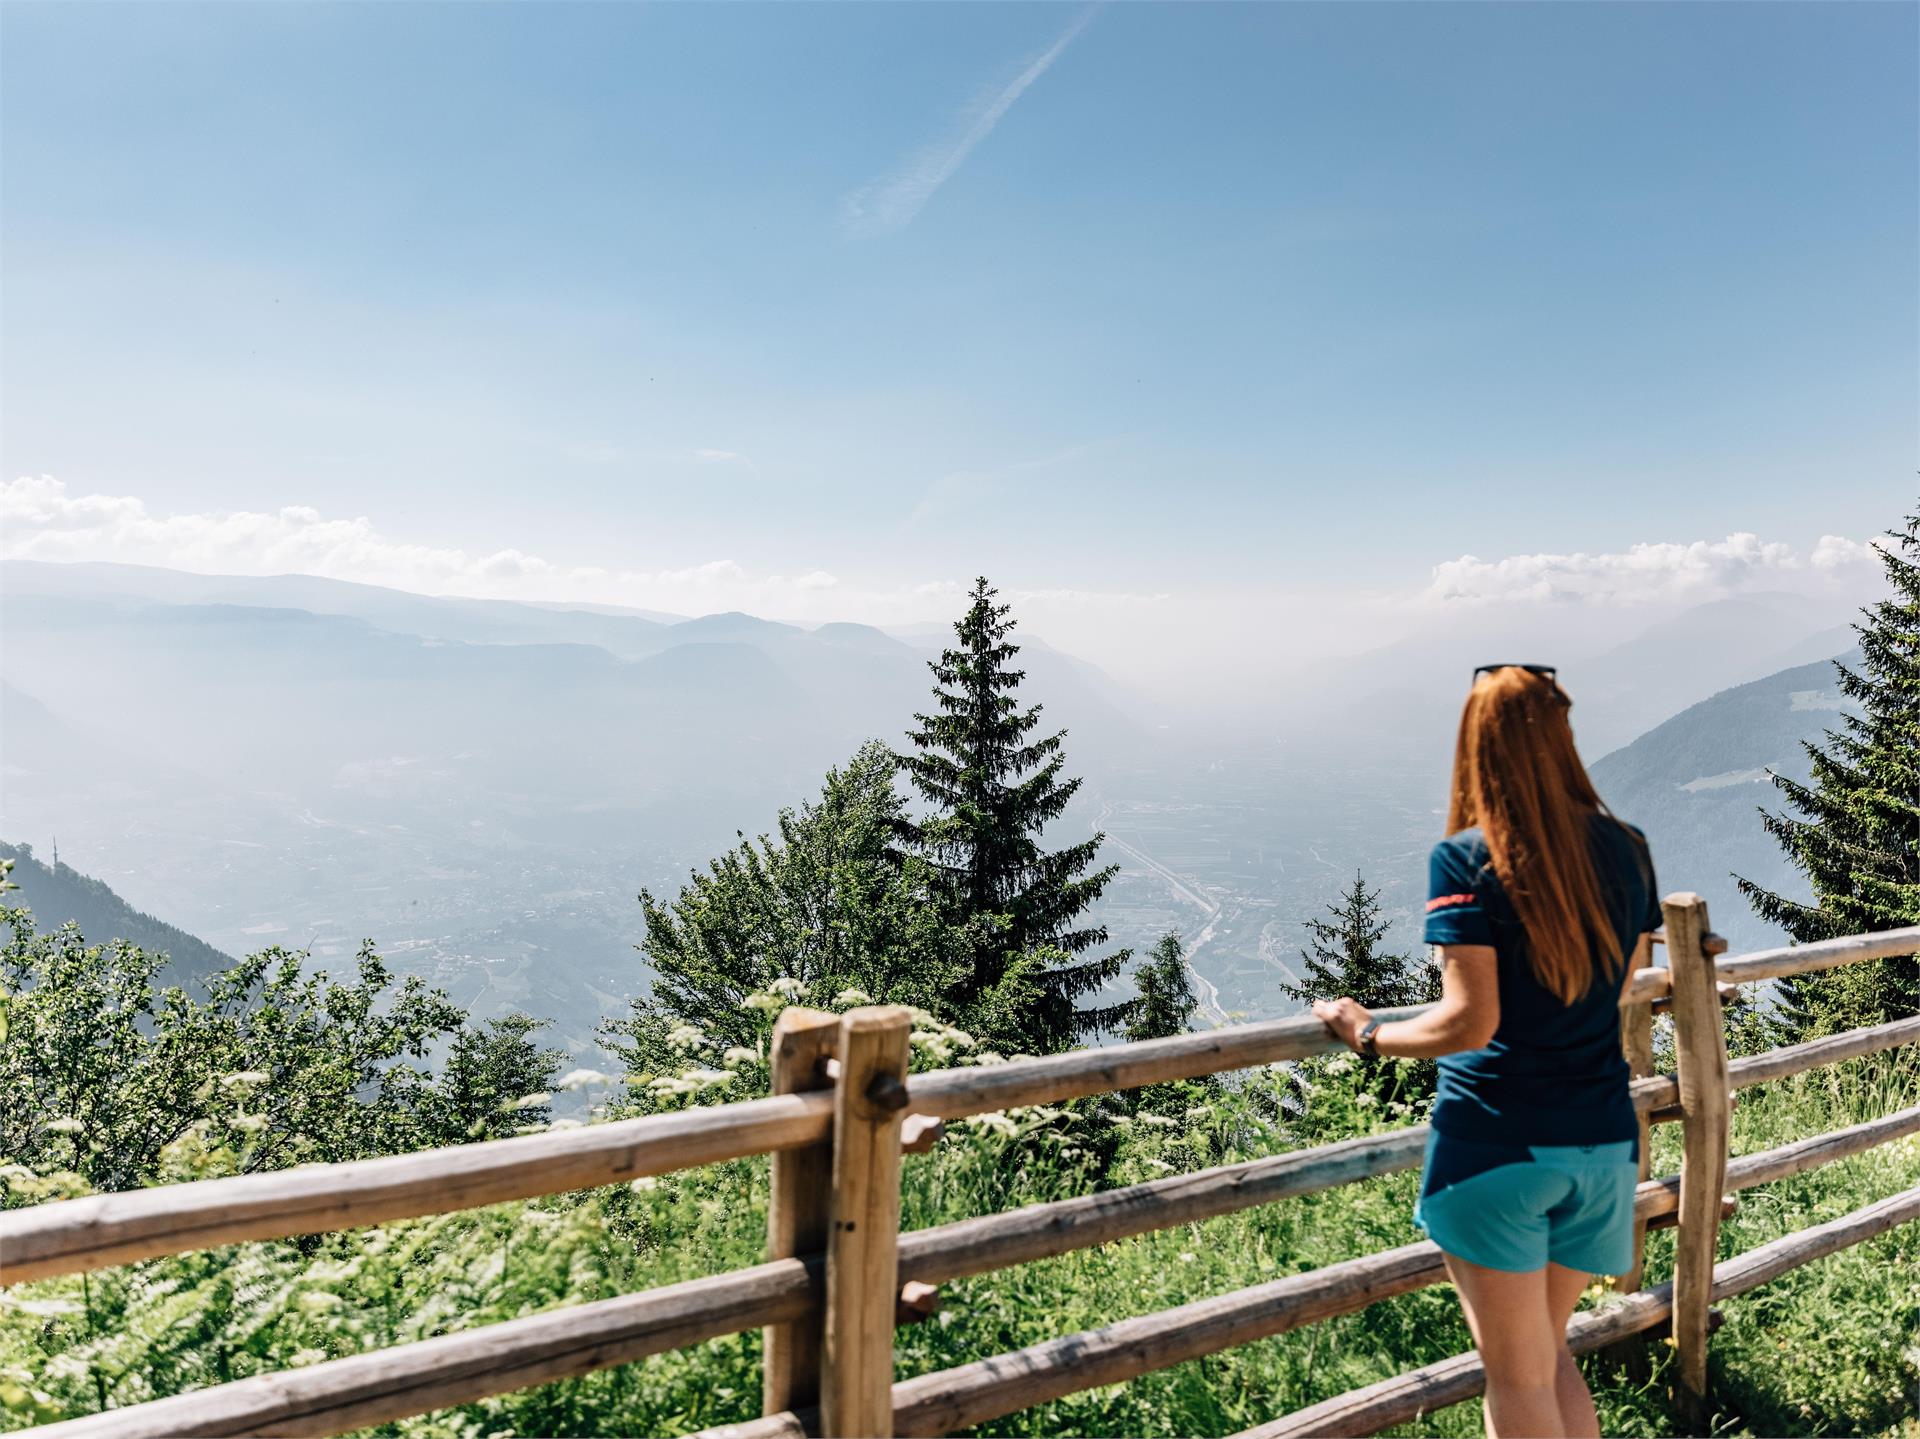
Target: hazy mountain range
483 786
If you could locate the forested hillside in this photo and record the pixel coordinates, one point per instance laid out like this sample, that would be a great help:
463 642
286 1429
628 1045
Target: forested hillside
1696 784
59 894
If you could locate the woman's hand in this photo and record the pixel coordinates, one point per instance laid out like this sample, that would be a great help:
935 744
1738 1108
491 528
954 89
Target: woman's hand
1345 1017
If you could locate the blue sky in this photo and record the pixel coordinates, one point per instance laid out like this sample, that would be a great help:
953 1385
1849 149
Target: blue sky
1229 301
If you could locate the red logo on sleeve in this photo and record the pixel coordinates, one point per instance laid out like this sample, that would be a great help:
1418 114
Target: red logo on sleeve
1447 901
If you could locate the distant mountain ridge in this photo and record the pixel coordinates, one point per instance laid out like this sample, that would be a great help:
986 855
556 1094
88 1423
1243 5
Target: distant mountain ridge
59 894
1696 782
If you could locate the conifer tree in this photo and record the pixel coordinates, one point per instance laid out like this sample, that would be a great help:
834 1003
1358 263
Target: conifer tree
1345 956
991 787
827 905
1854 828
1166 1001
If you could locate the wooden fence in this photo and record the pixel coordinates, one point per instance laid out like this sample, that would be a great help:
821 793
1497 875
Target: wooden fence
839 1274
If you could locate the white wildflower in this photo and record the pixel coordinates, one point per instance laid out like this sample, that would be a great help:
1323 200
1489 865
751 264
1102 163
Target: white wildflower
1187 1256
581 1078
760 999
739 1054
686 1036
788 987
1339 1065
45 1308
643 1184
1364 1100
248 1123
526 1102
68 1125
995 1120
851 996
245 1079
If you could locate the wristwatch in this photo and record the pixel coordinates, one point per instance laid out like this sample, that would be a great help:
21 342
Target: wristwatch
1366 1043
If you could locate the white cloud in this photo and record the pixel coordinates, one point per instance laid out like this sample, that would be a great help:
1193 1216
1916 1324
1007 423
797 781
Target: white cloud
714 457
1835 552
892 203
1644 574
41 520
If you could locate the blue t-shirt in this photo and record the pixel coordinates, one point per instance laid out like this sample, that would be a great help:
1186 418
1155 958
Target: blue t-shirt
1553 1073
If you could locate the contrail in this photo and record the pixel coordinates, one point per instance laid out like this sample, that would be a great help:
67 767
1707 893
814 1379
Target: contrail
892 203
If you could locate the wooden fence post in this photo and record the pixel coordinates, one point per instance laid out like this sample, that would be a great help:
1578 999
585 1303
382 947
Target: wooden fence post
1700 1043
856 1376
1636 1043
797 1209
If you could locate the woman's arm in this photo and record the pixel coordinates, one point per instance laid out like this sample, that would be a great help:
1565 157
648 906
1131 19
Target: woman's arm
1465 1017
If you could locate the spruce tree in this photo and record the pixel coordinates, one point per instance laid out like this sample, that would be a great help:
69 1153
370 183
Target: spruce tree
1854 828
1166 1001
992 785
1346 956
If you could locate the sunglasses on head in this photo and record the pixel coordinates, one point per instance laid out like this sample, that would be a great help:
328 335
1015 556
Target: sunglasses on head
1549 673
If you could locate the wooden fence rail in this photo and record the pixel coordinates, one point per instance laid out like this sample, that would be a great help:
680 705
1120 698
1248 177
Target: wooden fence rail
836 1259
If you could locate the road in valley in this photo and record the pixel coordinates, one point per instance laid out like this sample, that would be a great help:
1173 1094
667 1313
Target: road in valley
1207 992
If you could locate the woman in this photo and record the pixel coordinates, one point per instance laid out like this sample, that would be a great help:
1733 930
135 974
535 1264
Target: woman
1535 901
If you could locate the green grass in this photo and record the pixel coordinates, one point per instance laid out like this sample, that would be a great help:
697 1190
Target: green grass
1832 1348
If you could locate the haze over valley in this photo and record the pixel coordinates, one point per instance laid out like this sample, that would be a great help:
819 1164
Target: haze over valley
482 787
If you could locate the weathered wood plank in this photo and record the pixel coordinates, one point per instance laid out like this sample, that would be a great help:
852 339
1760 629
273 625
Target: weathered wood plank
1701 1058
72 1235
956 1093
973 1393
1039 1231
368 1389
1757 1266
800 1191
1821 954
1796 1058
856 1371
1636 1043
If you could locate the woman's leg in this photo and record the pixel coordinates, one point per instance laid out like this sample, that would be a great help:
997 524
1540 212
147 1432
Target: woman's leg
1564 1287
1513 1330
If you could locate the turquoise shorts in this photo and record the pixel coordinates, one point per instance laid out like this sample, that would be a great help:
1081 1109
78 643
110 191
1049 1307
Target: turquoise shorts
1519 1207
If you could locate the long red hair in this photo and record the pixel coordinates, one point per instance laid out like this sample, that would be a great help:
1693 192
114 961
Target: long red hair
1517 776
